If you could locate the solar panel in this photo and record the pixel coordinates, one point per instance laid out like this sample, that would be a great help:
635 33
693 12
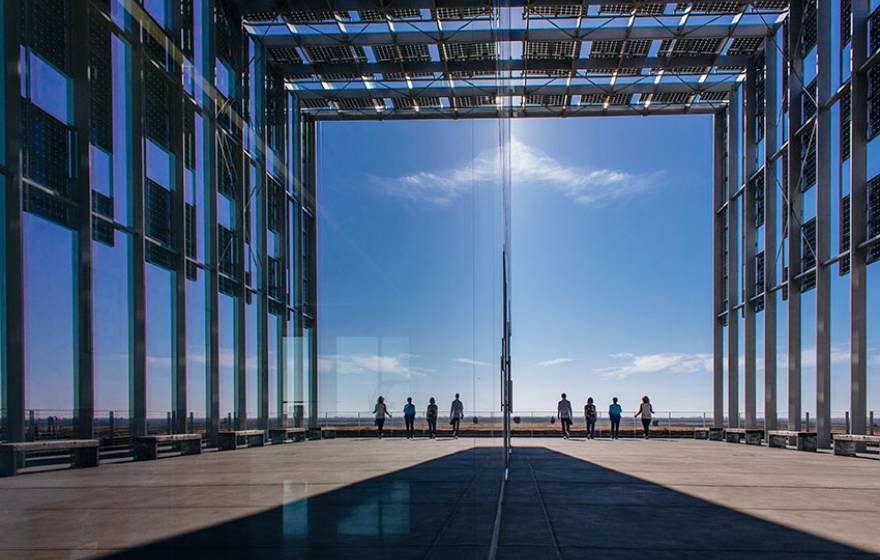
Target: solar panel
602 99
549 50
745 45
475 101
677 98
396 14
311 103
559 11
469 51
627 8
545 100
714 96
284 55
711 7
421 101
304 17
336 54
402 53
461 13
357 103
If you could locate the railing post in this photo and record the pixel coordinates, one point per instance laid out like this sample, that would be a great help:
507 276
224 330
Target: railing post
808 422
32 432
846 416
112 426
871 422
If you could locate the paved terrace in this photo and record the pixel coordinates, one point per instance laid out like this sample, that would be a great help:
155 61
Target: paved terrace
358 498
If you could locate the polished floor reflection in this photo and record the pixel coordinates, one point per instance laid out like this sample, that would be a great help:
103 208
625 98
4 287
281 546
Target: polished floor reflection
400 499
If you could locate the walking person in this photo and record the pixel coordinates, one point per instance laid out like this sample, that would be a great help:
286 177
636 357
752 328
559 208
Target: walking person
409 418
563 412
614 412
380 411
646 411
590 415
431 416
456 413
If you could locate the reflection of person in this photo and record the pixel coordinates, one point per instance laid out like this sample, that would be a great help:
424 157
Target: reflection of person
456 413
590 417
380 411
409 417
431 416
646 411
563 411
614 412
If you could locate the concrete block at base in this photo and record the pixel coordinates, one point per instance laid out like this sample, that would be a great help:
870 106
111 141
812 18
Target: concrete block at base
807 443
145 449
85 456
9 462
753 437
777 441
191 447
314 433
732 437
256 440
716 435
701 434
226 442
328 433
845 448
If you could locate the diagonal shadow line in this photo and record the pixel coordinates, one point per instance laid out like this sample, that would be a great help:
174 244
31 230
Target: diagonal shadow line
594 511
421 511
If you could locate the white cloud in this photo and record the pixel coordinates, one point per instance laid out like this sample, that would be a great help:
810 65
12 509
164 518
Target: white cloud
470 362
667 362
584 185
555 362
352 364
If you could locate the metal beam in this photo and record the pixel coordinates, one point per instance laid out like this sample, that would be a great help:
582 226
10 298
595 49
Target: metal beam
718 200
12 263
795 203
250 6
823 227
414 67
494 112
84 377
368 38
258 125
733 271
749 250
490 89
858 225
770 239
310 301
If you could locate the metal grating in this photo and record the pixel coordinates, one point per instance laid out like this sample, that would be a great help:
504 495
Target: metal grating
306 17
745 46
723 8
679 98
46 30
100 84
157 213
449 14
156 105
758 188
637 8
808 157
808 254
714 96
358 103
873 102
873 253
809 28
808 102
475 101
190 231
283 55
845 124
47 148
845 21
102 231
411 102
689 47
545 100
759 273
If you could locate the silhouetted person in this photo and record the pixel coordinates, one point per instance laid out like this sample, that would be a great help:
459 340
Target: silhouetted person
409 417
563 411
646 411
381 411
431 416
590 415
614 412
456 413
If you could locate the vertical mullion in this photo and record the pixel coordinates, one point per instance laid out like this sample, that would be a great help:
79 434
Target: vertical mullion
13 365
858 226
137 291
733 271
718 201
261 198
178 236
770 239
749 240
241 173
795 202
311 303
84 407
823 228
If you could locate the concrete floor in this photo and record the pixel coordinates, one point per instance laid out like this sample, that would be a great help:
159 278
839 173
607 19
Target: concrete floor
428 499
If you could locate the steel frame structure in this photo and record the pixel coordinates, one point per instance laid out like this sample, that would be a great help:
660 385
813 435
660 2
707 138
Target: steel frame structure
743 62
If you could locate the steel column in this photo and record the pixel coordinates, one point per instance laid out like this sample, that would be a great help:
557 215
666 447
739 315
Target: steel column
823 228
310 301
718 201
733 270
858 225
749 248
795 203
12 264
770 238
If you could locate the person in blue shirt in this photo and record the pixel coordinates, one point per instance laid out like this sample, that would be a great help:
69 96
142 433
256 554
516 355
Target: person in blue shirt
614 412
409 417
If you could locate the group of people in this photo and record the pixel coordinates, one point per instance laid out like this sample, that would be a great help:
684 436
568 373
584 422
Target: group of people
563 412
615 412
456 413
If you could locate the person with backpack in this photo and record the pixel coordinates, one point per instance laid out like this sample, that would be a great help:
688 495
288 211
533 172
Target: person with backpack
431 416
456 413
380 411
614 412
409 418
645 411
590 415
563 412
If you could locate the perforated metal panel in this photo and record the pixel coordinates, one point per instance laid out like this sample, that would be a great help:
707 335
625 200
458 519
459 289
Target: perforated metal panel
157 213
190 231
808 102
808 254
100 84
227 250
758 188
717 7
394 14
402 53
557 11
845 218
808 156
47 150
549 50
845 124
845 21
469 51
47 31
640 8
873 253
336 54
461 13
157 106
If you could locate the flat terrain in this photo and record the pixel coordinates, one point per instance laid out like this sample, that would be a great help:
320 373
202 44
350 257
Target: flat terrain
363 498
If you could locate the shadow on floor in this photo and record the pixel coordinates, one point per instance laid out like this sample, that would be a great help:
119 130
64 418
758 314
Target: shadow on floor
558 506
443 508
555 506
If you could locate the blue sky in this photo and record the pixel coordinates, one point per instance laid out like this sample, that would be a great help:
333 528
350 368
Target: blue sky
611 235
